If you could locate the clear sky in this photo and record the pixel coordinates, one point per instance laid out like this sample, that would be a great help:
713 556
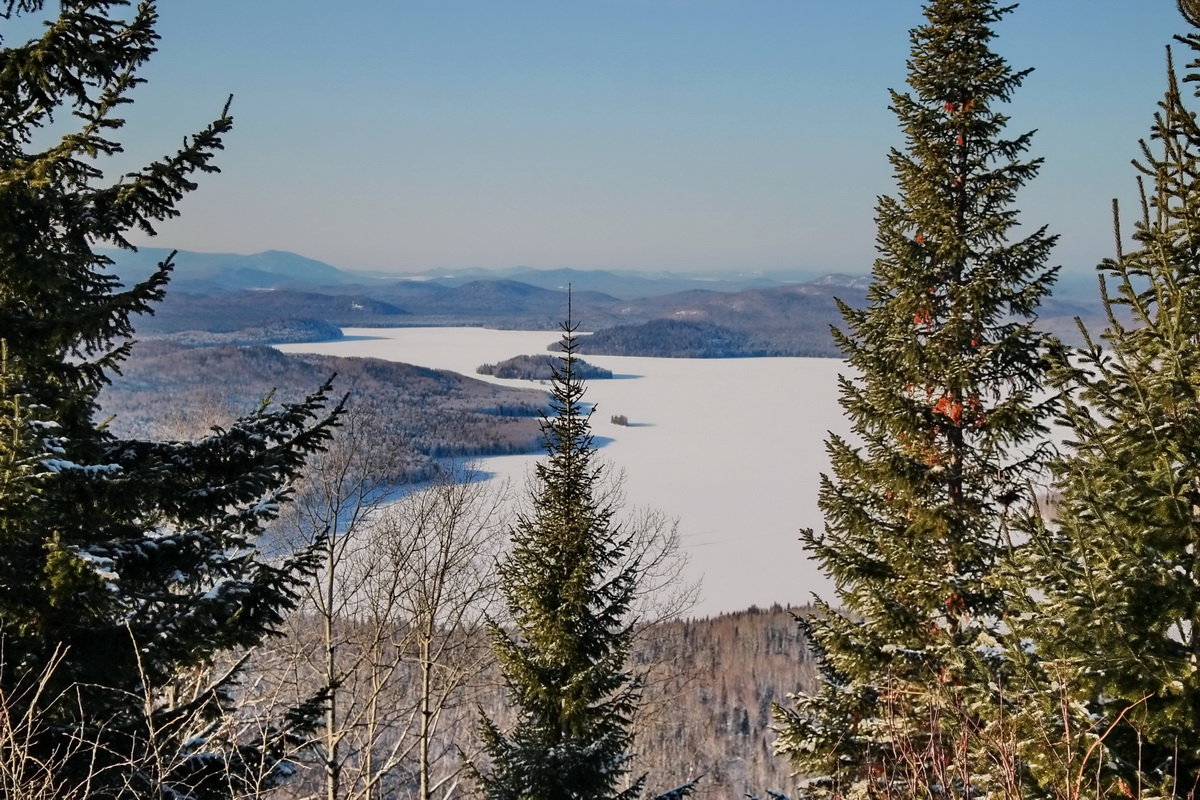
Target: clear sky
689 135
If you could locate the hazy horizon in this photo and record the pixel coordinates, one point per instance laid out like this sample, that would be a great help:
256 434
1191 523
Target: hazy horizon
688 136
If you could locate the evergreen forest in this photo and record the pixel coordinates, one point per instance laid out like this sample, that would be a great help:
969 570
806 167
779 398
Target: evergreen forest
286 583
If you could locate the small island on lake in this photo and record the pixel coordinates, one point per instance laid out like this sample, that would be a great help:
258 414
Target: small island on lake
539 368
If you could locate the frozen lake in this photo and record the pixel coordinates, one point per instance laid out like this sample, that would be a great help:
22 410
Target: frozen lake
732 447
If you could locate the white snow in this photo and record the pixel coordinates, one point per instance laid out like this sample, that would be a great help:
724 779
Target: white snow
57 465
102 566
732 447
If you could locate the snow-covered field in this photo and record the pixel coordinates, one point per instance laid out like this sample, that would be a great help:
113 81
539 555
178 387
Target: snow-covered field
732 447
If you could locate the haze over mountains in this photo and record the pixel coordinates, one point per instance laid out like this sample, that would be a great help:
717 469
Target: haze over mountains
276 296
272 269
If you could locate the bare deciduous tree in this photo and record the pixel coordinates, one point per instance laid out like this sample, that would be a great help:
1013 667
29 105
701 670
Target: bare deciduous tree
389 624
194 742
445 541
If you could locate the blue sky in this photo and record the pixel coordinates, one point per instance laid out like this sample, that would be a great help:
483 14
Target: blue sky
689 135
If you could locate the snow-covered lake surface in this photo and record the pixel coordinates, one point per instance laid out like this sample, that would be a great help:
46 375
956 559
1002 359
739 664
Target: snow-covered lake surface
731 447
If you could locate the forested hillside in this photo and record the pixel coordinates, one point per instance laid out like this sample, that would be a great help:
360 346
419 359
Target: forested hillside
667 338
284 331
710 685
420 415
231 311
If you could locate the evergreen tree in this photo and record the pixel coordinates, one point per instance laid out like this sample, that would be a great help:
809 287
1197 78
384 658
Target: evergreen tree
568 583
945 404
125 564
1116 618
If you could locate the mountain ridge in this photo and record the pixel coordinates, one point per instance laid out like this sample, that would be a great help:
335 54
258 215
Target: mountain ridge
222 293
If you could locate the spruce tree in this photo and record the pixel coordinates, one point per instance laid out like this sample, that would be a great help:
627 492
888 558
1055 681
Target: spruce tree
568 583
1115 619
124 564
947 421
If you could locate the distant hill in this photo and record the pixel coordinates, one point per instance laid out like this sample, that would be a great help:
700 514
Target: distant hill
287 331
500 303
418 415
838 279
226 312
622 285
669 338
223 272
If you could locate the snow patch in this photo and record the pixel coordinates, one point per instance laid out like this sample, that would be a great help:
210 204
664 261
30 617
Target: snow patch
57 465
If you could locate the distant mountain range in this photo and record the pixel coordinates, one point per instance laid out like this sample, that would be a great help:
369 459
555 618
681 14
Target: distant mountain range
278 269
277 296
623 285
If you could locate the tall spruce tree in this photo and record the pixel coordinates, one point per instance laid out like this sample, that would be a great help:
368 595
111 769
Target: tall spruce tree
568 583
123 564
1116 615
945 404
